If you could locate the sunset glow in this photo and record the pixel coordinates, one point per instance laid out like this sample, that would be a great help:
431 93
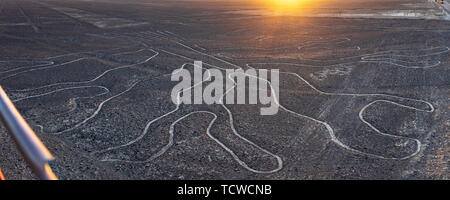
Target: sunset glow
287 2
287 5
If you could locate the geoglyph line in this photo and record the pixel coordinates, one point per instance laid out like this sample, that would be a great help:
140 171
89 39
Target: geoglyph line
82 82
45 63
88 81
171 135
330 129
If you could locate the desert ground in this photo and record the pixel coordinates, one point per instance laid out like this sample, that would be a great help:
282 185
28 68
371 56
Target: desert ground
363 92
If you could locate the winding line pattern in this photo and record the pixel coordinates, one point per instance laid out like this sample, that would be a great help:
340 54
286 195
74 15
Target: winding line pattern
397 58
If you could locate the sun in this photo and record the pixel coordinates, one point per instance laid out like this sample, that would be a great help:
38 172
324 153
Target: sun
287 2
287 5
